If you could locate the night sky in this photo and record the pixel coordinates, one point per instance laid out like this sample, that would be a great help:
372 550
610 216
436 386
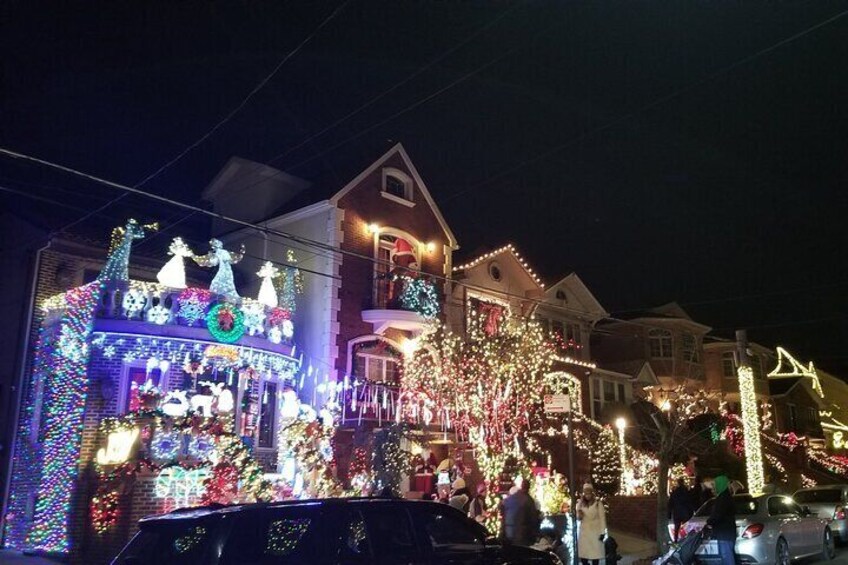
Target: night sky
637 143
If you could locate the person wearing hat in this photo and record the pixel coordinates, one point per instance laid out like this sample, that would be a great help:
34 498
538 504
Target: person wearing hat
722 521
459 495
593 527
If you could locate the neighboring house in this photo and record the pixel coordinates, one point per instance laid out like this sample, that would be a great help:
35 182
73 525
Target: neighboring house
796 407
665 337
721 364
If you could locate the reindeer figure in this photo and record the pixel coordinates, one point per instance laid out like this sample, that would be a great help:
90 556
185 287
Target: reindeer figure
116 268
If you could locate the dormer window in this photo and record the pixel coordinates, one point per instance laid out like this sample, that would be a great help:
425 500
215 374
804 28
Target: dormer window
397 187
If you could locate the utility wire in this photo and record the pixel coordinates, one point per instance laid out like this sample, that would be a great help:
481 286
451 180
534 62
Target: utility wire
306 241
230 115
659 101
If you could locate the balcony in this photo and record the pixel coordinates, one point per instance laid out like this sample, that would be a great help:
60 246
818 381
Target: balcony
151 309
403 302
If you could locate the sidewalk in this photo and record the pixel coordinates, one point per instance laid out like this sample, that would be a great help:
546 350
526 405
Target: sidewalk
9 557
633 549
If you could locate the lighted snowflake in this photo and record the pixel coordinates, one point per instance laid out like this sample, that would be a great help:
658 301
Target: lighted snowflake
134 302
71 347
254 318
275 335
158 315
109 351
129 357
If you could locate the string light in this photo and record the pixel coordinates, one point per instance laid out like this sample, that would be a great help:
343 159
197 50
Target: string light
222 284
751 431
116 268
795 369
267 293
62 368
496 252
225 322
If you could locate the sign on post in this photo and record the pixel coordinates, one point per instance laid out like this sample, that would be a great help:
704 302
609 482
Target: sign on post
557 403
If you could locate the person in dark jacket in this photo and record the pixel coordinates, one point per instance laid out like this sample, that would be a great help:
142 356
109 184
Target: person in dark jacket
521 518
722 521
679 506
696 493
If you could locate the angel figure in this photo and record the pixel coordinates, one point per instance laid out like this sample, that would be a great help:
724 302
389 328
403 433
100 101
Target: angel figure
172 274
267 292
118 260
219 257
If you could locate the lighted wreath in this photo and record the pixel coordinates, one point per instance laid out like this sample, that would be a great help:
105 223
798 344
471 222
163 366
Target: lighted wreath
225 323
420 295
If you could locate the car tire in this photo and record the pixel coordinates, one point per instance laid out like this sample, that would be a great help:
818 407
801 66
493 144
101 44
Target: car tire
828 548
781 553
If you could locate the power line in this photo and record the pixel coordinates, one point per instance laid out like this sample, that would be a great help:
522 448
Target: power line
230 115
375 99
663 99
322 246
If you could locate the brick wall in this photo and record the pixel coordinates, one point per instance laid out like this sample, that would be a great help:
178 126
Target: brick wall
635 515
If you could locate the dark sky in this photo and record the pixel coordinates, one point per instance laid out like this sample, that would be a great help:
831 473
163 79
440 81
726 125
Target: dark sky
728 197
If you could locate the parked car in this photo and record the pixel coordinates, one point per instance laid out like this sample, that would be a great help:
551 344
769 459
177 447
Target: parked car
770 529
344 530
829 502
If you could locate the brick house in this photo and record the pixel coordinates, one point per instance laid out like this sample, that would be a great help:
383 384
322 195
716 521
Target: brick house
388 254
665 338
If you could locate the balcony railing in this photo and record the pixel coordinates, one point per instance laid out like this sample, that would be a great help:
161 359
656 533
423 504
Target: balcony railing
191 307
370 401
413 293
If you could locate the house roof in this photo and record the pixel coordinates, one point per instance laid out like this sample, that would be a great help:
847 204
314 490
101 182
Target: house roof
508 249
584 296
779 387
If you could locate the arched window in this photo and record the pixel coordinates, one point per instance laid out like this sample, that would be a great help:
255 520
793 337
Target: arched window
397 186
660 344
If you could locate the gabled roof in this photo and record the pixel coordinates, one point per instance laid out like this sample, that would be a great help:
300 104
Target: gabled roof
398 149
782 387
640 371
584 296
508 249
669 312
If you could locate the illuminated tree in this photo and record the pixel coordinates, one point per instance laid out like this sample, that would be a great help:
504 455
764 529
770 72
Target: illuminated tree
606 463
488 386
390 460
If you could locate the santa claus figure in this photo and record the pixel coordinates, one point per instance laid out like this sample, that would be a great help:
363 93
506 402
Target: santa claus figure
404 264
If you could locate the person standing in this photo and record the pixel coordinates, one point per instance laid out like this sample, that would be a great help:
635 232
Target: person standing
593 527
459 495
679 507
722 521
696 493
521 518
477 510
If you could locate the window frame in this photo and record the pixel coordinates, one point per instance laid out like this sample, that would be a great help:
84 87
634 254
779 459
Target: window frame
408 199
731 357
597 395
663 339
122 402
689 342
276 414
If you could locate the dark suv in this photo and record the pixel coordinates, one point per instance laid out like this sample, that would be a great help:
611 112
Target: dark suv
343 530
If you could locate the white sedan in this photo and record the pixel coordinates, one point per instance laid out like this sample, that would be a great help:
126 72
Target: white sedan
771 529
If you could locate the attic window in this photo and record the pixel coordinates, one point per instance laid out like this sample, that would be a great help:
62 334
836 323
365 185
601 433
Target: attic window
560 294
397 187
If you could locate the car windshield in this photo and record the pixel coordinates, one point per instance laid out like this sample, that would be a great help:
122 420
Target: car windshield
818 495
742 506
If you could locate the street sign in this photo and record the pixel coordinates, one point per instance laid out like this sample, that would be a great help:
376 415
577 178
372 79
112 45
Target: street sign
557 403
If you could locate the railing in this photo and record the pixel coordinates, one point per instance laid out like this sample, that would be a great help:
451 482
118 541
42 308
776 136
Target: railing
157 304
404 292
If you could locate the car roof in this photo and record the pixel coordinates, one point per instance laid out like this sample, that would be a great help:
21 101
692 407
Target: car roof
822 487
221 509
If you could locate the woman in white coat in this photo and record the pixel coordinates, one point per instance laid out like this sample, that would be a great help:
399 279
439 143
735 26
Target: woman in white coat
593 527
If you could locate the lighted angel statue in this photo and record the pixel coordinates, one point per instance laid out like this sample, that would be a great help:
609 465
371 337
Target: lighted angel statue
222 284
120 245
267 292
172 274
